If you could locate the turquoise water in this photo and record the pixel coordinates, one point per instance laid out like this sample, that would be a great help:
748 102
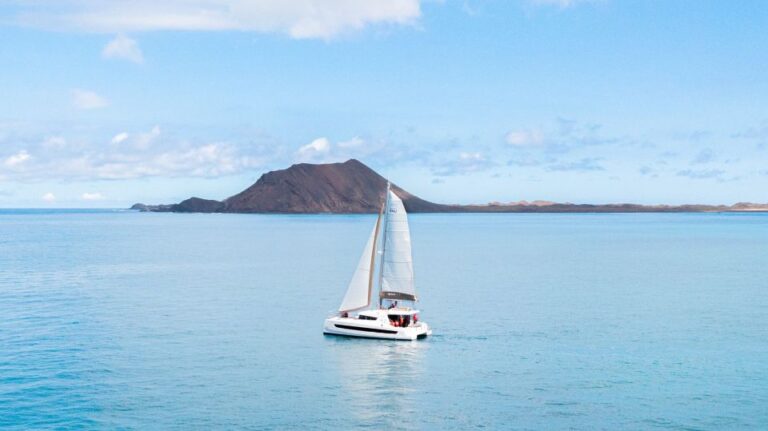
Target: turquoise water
123 320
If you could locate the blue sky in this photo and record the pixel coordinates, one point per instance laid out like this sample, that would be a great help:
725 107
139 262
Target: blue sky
106 103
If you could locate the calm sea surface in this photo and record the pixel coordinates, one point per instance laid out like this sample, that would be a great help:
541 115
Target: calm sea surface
123 320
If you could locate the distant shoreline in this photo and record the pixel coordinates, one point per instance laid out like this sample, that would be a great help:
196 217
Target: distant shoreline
504 209
354 188
28 211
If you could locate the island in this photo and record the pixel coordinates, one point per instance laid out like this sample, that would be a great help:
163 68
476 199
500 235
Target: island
352 187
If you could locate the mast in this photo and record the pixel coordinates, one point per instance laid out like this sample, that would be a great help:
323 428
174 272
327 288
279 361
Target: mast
384 210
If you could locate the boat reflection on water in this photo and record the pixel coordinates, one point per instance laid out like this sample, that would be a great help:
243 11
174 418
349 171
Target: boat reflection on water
380 381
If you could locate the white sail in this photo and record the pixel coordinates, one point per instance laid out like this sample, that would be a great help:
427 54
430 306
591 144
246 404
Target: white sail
397 261
359 290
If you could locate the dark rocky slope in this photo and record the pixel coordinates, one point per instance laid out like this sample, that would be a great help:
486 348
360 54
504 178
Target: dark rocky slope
349 187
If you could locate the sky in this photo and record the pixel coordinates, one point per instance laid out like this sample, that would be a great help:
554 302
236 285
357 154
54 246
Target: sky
104 103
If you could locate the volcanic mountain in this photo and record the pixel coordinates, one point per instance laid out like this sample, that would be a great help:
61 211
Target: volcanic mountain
349 187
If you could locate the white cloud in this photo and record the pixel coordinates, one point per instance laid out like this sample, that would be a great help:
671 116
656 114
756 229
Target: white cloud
92 196
466 163
208 160
353 143
53 142
471 156
314 151
17 159
562 136
297 18
123 48
140 141
521 138
323 150
120 138
49 197
585 164
159 157
561 3
86 99
144 140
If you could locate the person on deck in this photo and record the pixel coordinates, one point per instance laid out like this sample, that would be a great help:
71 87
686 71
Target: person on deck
392 305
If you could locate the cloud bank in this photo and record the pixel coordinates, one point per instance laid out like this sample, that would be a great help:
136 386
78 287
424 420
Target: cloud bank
300 19
561 3
124 156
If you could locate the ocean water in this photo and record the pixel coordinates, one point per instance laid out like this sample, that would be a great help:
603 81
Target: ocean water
124 320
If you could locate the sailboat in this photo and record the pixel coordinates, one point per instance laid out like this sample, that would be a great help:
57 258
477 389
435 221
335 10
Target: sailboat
390 241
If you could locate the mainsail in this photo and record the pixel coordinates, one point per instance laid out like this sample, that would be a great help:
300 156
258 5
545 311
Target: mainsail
397 261
359 291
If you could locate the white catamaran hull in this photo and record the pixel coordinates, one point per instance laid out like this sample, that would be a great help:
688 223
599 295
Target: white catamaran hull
352 327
